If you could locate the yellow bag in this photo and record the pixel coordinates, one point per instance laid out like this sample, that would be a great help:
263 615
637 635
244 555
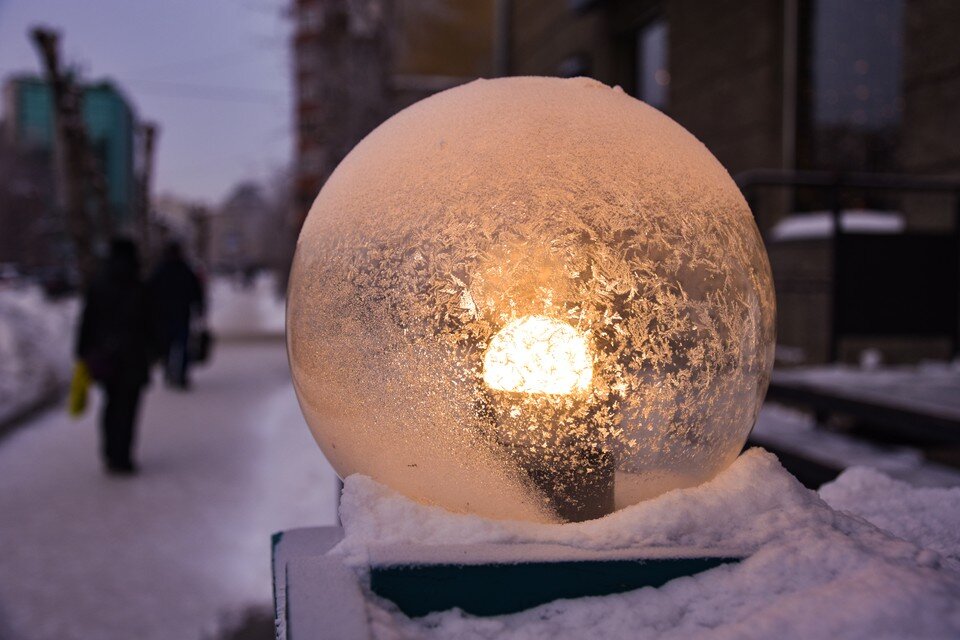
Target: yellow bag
79 386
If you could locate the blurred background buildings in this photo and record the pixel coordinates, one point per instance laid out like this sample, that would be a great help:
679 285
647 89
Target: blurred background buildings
37 238
244 236
772 88
797 99
800 85
356 64
838 118
110 122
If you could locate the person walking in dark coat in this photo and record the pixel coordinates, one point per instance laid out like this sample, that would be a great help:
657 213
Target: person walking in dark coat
116 342
178 296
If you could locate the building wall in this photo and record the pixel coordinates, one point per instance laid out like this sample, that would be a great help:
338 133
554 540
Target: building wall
28 230
356 64
110 123
546 33
931 88
341 54
443 39
931 109
243 231
725 62
111 126
726 78
29 113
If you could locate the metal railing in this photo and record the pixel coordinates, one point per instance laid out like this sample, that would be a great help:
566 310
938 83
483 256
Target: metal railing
848 249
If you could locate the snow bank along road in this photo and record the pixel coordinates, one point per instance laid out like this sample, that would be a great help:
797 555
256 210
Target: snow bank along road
36 349
166 554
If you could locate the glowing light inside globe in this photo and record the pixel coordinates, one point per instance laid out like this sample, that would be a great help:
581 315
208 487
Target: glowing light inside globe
535 354
530 298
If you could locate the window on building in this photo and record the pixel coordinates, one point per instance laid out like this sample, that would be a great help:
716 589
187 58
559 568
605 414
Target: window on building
652 80
850 96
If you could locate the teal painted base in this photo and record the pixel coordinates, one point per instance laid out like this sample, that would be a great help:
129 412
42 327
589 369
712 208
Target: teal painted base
496 589
317 596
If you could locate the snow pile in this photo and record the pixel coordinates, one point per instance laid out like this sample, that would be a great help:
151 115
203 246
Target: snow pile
812 571
36 340
929 517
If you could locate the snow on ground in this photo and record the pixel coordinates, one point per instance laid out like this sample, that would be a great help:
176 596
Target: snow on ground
168 553
929 517
37 335
36 348
796 431
239 311
811 571
929 387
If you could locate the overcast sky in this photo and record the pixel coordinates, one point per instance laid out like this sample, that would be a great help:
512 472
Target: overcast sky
215 74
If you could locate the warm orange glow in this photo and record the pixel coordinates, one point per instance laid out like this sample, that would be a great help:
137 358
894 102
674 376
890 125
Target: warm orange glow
545 317
536 354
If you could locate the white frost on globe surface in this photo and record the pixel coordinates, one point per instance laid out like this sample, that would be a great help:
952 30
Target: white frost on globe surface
810 571
502 206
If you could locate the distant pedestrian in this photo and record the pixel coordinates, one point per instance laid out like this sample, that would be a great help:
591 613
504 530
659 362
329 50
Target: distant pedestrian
178 298
116 341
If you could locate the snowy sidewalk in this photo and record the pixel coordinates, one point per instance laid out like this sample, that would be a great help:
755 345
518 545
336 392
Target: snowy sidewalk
169 553
243 313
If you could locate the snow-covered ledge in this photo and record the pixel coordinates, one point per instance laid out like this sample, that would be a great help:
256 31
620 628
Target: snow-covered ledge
809 570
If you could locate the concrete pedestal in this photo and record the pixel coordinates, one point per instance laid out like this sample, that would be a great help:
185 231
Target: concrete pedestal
316 596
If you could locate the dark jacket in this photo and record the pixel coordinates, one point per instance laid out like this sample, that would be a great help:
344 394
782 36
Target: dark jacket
117 337
176 292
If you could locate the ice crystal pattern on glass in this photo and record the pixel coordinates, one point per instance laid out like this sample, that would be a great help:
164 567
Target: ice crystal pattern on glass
531 298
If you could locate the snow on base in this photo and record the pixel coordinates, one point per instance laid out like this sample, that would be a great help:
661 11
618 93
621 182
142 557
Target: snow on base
812 571
36 339
929 517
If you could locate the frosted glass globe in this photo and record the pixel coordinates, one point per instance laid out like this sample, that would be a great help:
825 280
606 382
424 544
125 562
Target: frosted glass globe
531 298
